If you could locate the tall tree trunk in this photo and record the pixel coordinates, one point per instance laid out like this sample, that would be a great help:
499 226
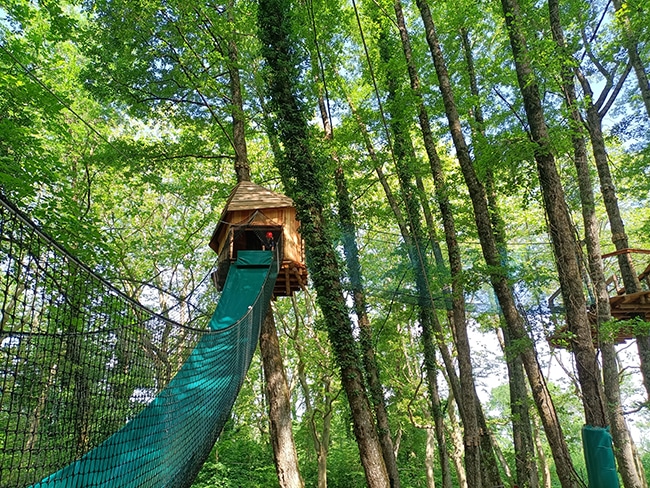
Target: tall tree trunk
560 227
525 467
429 330
242 167
620 433
608 191
455 433
439 425
321 440
631 45
429 462
522 433
561 231
629 464
351 252
305 184
595 113
542 463
472 433
498 276
277 389
279 402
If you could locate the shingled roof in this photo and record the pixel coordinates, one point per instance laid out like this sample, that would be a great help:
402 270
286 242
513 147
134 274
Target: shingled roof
249 196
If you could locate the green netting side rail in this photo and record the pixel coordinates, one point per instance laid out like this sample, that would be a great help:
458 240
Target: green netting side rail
167 443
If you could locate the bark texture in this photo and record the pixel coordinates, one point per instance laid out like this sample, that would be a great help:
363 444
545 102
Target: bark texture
596 110
472 433
624 446
351 252
561 231
498 276
277 395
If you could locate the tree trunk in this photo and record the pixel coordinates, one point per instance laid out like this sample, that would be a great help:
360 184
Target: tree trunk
429 330
542 463
305 184
457 453
525 467
620 434
619 236
277 389
351 252
560 227
277 395
629 465
471 429
561 231
322 441
242 167
498 275
365 330
439 424
429 460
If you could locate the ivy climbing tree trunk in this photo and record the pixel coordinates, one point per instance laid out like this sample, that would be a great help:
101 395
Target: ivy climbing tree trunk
305 184
351 252
403 153
430 324
353 265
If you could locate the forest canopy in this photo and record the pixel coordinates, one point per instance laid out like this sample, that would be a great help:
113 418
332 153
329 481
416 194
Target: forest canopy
473 182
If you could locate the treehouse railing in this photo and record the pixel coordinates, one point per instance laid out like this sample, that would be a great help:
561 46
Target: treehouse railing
623 306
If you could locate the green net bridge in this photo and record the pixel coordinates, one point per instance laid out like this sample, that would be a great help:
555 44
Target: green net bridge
97 390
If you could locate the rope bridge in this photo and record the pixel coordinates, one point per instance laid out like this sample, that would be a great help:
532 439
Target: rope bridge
97 390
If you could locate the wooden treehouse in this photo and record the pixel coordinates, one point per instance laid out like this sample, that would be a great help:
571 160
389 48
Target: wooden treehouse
251 217
624 306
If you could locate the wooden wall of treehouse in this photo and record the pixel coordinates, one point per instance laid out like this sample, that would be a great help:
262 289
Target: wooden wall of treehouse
284 218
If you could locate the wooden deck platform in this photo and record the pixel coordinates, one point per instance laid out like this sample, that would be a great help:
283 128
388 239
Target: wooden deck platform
625 307
291 278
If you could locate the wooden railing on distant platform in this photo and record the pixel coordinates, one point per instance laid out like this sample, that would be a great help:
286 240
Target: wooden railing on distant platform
623 306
